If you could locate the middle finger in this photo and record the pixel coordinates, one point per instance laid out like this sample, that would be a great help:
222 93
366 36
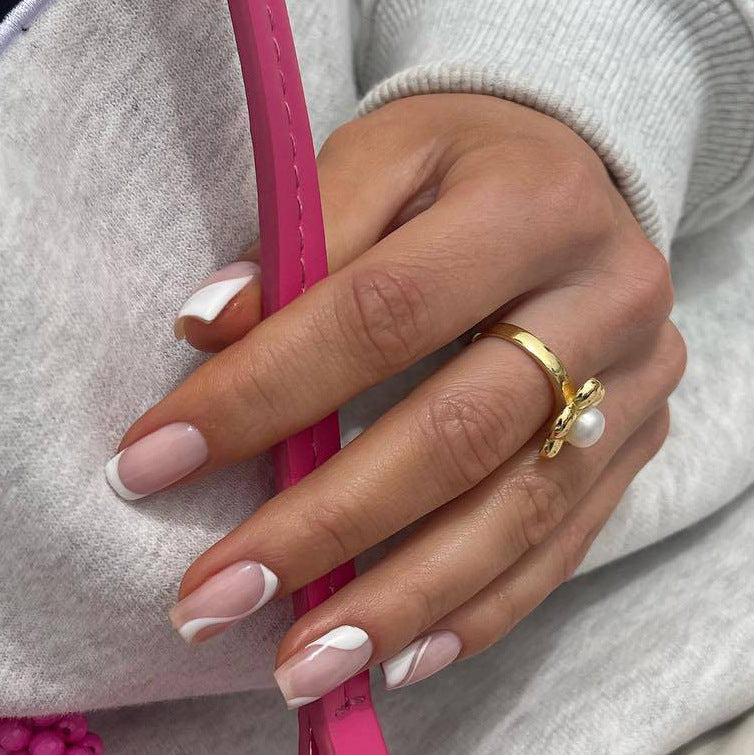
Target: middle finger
398 302
448 435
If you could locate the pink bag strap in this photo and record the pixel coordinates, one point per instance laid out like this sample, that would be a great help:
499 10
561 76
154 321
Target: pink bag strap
294 257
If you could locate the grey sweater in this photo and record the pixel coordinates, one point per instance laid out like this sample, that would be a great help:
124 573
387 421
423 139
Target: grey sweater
126 176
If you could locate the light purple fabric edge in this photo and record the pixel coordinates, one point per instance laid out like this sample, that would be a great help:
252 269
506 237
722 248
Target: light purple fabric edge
19 19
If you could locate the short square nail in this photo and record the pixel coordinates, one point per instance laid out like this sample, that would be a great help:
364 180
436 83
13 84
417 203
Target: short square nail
215 293
323 664
156 461
420 659
225 598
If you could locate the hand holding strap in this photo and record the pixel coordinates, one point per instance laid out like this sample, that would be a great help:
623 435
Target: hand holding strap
293 257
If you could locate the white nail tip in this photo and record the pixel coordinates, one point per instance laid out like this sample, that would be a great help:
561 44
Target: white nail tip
342 638
207 303
297 702
271 583
113 478
190 629
396 668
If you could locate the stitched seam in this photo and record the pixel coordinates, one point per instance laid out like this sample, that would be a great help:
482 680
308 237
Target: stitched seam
294 155
296 178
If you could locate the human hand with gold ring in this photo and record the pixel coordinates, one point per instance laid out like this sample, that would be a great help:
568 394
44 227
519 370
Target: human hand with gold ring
444 214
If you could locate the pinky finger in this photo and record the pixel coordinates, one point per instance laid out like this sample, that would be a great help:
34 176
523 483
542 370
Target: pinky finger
494 611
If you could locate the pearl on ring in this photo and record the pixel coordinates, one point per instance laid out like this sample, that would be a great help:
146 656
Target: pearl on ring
587 428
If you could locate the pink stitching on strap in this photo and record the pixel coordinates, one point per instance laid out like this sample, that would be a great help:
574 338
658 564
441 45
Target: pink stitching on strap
294 164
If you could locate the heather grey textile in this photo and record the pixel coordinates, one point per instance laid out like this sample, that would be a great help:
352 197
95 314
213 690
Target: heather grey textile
126 176
631 659
734 738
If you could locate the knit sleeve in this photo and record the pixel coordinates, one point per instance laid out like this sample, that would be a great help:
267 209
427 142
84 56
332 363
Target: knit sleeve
663 90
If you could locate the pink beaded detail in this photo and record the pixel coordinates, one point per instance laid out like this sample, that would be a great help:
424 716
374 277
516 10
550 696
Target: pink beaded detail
48 735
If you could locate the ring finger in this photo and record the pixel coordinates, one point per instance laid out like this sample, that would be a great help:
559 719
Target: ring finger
464 546
452 432
396 303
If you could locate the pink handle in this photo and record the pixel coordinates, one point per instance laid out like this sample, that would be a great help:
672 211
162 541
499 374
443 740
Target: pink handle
294 257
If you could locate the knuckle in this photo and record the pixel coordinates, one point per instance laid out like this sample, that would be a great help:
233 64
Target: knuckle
392 319
343 139
247 383
332 532
485 193
470 432
541 504
674 354
504 617
652 286
577 196
424 606
573 543
658 432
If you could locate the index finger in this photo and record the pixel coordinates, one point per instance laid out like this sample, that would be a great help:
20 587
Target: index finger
398 302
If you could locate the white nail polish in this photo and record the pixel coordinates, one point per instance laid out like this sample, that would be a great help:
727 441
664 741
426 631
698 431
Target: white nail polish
113 478
228 596
420 659
396 669
342 638
211 298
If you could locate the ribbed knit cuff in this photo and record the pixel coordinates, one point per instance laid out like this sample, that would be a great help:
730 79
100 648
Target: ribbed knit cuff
663 90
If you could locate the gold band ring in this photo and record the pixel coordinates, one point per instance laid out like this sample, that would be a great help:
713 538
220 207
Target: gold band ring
578 420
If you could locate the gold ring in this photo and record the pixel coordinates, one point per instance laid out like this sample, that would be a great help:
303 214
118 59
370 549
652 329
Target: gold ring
578 420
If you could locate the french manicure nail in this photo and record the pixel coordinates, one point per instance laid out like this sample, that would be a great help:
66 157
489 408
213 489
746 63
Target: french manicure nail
225 598
420 659
322 665
156 460
215 292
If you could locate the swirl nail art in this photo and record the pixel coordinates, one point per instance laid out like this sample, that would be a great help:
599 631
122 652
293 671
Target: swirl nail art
420 659
323 664
225 598
215 293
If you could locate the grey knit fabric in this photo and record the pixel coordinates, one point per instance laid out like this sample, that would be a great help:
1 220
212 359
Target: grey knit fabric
126 176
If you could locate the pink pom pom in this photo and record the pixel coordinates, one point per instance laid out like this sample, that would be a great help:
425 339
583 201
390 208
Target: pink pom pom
47 743
94 743
72 727
44 721
14 734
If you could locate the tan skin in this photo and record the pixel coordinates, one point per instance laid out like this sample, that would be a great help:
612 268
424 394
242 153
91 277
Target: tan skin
440 210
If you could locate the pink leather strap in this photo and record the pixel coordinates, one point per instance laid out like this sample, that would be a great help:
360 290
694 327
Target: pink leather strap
294 257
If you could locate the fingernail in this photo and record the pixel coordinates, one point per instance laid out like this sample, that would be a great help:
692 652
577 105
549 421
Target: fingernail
215 292
225 598
156 461
422 658
322 665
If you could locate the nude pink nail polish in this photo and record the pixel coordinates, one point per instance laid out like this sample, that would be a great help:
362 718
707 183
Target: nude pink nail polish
323 664
420 659
156 460
225 598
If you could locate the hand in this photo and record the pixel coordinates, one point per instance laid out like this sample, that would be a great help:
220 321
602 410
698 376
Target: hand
441 211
